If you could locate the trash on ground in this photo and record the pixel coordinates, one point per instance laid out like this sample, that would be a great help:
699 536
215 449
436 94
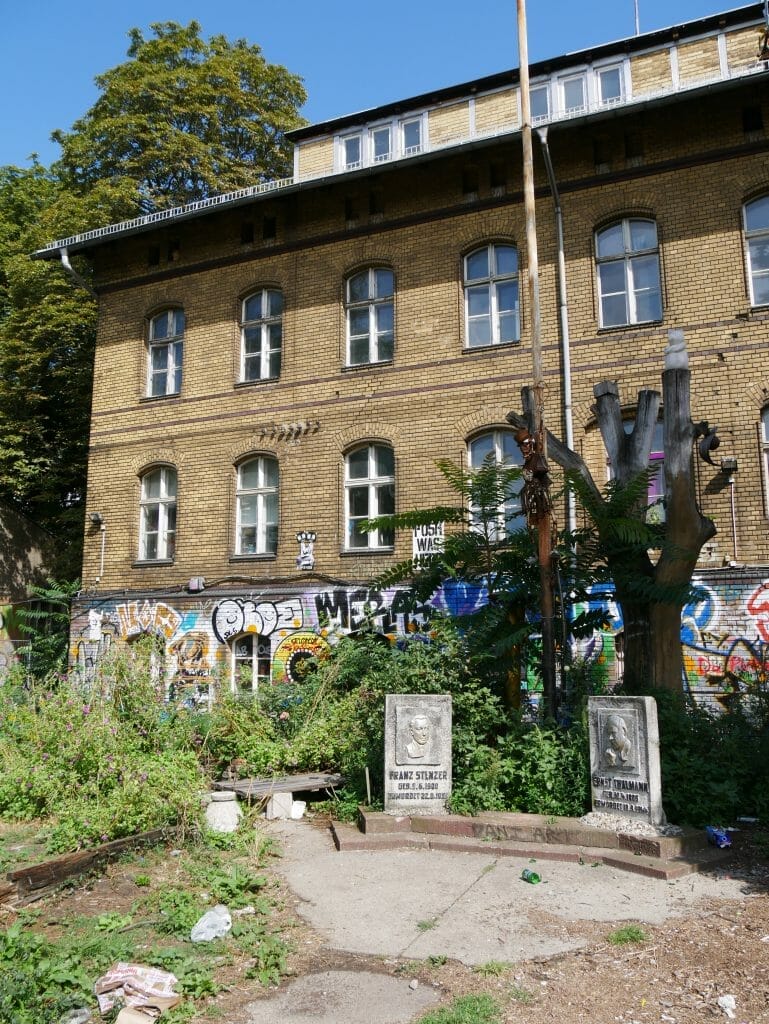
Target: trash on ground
214 924
718 837
79 1015
530 876
728 1004
143 992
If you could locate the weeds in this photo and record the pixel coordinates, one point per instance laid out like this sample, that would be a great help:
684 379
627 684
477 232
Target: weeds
466 1010
491 969
629 933
428 924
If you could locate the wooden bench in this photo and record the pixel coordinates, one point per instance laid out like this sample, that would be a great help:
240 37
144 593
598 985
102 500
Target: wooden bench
263 789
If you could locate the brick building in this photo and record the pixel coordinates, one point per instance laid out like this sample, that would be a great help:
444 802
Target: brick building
274 364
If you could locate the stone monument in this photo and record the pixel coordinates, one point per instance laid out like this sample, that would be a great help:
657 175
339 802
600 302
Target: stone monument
625 758
417 753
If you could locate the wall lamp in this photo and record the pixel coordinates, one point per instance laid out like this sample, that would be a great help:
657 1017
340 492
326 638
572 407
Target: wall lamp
97 519
729 464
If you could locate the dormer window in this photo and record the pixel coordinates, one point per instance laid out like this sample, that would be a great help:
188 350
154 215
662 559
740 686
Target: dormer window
412 136
381 143
539 99
609 84
573 95
352 152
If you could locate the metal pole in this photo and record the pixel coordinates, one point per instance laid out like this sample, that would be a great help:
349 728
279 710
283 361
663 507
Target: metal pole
637 19
541 517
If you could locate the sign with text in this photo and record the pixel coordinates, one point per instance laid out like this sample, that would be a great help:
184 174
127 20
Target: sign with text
417 753
427 540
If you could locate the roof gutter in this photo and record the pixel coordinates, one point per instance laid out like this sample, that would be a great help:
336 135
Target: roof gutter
77 278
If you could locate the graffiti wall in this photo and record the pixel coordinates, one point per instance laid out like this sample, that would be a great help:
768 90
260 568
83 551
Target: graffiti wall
239 638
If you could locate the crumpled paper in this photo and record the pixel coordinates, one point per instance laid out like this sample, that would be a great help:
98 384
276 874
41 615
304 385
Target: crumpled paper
144 992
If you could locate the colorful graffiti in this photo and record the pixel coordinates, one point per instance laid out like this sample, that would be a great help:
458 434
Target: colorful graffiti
724 630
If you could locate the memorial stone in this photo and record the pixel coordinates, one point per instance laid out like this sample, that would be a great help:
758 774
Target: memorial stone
625 758
417 753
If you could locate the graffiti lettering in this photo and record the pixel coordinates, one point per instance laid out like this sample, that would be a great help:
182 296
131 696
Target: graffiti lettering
232 617
136 617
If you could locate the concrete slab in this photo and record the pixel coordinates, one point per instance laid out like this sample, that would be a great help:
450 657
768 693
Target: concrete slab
470 906
344 997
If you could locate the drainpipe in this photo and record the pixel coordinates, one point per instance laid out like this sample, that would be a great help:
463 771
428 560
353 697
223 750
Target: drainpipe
77 278
563 317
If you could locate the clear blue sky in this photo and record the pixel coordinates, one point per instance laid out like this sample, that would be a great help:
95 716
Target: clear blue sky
352 55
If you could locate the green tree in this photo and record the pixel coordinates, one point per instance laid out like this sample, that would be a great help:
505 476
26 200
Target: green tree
183 118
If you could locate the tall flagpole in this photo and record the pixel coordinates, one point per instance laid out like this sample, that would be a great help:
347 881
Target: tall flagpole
536 491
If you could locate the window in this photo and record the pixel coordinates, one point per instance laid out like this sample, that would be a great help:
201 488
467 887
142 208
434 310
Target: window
352 152
500 448
628 266
609 84
157 527
573 94
381 148
539 98
370 316
250 664
491 296
655 496
412 136
369 492
166 338
261 334
257 507
756 216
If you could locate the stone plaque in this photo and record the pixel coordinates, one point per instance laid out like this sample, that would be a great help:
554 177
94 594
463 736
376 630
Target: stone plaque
417 753
625 758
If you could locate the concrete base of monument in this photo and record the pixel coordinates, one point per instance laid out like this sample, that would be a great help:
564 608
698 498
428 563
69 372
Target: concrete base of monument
533 835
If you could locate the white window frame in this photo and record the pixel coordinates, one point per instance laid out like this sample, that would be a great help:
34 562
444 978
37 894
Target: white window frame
263 326
165 379
372 132
351 165
544 87
375 305
164 505
562 81
376 485
258 659
266 531
756 237
601 69
629 258
510 515
405 122
492 283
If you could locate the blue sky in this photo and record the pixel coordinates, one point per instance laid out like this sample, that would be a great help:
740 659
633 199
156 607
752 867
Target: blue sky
352 55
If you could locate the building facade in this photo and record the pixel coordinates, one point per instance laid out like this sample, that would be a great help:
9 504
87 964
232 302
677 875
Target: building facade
277 364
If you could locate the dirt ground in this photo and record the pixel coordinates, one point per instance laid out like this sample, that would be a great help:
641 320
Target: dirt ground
675 975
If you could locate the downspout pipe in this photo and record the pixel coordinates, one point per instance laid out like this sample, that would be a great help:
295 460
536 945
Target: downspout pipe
563 318
77 278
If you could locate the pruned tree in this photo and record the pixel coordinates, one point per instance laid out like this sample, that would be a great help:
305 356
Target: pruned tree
184 118
651 565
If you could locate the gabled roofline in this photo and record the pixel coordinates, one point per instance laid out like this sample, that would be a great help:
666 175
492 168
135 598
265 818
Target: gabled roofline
627 45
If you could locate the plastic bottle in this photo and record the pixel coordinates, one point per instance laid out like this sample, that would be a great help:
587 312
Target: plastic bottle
718 837
530 876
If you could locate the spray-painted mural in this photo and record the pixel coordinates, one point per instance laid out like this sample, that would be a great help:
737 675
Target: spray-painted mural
725 631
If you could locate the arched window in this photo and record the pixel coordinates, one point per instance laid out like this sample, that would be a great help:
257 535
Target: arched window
250 663
756 220
261 335
157 523
492 315
369 305
628 268
499 447
256 529
369 492
765 454
166 343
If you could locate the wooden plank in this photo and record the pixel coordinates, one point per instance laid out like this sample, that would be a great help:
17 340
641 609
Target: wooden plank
262 788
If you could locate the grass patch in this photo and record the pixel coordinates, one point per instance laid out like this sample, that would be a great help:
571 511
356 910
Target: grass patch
427 925
626 935
491 969
466 1010
521 995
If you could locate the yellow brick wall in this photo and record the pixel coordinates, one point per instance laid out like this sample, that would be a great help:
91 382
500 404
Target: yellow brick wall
496 111
316 158
651 72
698 60
447 123
435 394
742 48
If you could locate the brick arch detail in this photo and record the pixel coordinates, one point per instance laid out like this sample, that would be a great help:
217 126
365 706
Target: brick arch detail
154 457
367 432
758 393
256 444
485 418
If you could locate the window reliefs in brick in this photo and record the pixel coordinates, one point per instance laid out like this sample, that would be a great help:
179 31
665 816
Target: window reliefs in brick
370 316
157 514
491 291
628 273
165 345
369 486
261 335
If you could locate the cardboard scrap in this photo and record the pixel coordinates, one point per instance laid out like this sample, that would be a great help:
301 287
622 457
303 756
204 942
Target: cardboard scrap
143 992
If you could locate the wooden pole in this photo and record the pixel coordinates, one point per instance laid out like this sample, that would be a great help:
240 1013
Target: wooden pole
540 515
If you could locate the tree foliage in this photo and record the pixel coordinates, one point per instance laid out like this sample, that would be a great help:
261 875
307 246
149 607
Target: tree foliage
183 118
